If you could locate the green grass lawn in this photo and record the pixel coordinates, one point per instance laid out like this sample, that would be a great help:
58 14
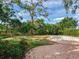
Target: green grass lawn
33 41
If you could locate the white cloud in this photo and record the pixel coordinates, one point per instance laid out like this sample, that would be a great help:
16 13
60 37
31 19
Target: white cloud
51 3
56 20
7 1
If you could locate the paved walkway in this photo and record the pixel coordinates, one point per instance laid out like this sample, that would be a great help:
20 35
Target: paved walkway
59 50
56 51
65 39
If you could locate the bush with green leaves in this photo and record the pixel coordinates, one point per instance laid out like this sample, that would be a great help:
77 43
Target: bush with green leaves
16 48
12 49
71 32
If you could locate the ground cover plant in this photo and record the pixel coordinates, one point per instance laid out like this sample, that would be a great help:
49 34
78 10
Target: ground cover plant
15 48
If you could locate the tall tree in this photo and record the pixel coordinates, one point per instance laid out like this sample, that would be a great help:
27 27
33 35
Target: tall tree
71 4
68 23
35 8
5 14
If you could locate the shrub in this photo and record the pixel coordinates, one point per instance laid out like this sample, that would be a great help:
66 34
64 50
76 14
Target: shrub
16 48
12 49
71 32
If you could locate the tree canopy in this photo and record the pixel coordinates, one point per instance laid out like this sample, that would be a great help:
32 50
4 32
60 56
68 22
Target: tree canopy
68 23
34 25
71 4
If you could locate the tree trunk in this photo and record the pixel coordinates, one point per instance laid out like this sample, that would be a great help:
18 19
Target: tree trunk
32 22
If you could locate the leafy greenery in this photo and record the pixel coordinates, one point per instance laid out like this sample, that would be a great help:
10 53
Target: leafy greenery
16 49
11 25
71 32
68 23
35 9
12 49
71 4
39 27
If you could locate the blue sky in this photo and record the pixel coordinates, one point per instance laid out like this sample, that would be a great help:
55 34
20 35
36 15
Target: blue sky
56 11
